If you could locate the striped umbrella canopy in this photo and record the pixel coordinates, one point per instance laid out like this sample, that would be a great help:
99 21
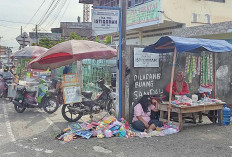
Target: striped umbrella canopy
69 51
30 52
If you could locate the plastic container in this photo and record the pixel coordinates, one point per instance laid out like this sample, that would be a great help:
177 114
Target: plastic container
194 98
226 112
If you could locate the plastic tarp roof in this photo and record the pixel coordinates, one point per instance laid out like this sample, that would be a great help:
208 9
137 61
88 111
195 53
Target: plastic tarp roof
168 43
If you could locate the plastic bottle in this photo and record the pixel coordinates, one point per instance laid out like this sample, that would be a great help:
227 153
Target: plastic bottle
226 112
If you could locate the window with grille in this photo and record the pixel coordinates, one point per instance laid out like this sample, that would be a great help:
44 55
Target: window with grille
194 17
222 1
207 18
137 2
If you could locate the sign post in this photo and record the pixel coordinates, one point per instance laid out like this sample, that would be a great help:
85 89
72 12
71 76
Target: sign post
105 21
23 39
119 54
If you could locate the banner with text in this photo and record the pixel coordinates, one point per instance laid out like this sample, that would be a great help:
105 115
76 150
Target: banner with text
142 59
144 15
105 21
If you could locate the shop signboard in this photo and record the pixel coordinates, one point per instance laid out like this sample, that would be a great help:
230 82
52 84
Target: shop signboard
105 21
145 59
72 92
70 77
144 15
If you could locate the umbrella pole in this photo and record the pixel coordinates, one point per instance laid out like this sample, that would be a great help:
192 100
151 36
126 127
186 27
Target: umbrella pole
20 73
214 75
172 76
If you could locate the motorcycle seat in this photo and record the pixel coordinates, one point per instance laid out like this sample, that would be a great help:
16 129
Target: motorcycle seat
31 93
51 91
87 94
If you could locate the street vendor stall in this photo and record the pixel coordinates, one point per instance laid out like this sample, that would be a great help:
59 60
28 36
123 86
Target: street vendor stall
66 53
193 45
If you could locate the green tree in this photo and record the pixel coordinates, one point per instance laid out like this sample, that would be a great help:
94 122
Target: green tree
108 40
73 36
46 42
96 39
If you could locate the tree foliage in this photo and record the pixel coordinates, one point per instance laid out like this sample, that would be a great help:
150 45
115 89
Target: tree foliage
108 40
47 43
73 36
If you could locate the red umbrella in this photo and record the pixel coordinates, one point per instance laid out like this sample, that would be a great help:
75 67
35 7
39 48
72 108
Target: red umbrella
30 52
67 52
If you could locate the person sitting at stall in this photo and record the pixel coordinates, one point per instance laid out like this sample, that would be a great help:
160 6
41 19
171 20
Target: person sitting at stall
179 86
142 112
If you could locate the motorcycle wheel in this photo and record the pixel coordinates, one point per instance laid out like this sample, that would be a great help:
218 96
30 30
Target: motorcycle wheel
3 94
110 108
65 112
10 99
51 105
19 109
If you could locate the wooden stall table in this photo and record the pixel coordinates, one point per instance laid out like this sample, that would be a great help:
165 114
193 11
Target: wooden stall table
189 109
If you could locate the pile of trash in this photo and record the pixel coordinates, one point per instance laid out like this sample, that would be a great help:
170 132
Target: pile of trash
110 127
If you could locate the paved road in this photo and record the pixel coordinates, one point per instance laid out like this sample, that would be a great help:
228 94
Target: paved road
32 134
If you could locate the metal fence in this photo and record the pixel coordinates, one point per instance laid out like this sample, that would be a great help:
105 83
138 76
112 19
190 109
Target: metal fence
93 70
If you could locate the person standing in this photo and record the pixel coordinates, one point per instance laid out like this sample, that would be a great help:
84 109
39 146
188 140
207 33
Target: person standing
67 69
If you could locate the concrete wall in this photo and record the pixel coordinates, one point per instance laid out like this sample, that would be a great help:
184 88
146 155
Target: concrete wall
214 31
182 10
223 76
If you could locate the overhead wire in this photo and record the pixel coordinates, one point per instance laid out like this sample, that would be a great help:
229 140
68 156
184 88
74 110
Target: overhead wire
64 11
35 13
50 5
16 22
8 27
54 7
57 13
47 16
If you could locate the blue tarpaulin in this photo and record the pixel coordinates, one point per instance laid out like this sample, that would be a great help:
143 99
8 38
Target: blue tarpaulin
168 43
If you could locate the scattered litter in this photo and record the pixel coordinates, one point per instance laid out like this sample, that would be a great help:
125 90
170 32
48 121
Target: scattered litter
110 127
49 151
102 150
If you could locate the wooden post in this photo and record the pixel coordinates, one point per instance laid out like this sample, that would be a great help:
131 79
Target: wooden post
123 5
172 76
214 75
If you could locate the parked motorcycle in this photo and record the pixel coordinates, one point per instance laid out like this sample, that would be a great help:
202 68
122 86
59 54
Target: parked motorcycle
4 83
27 99
104 101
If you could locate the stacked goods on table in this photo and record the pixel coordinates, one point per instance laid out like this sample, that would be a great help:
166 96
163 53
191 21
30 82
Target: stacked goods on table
185 101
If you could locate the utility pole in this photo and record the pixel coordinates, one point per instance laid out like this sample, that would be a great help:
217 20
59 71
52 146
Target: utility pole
0 49
8 50
24 40
36 34
21 32
123 6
